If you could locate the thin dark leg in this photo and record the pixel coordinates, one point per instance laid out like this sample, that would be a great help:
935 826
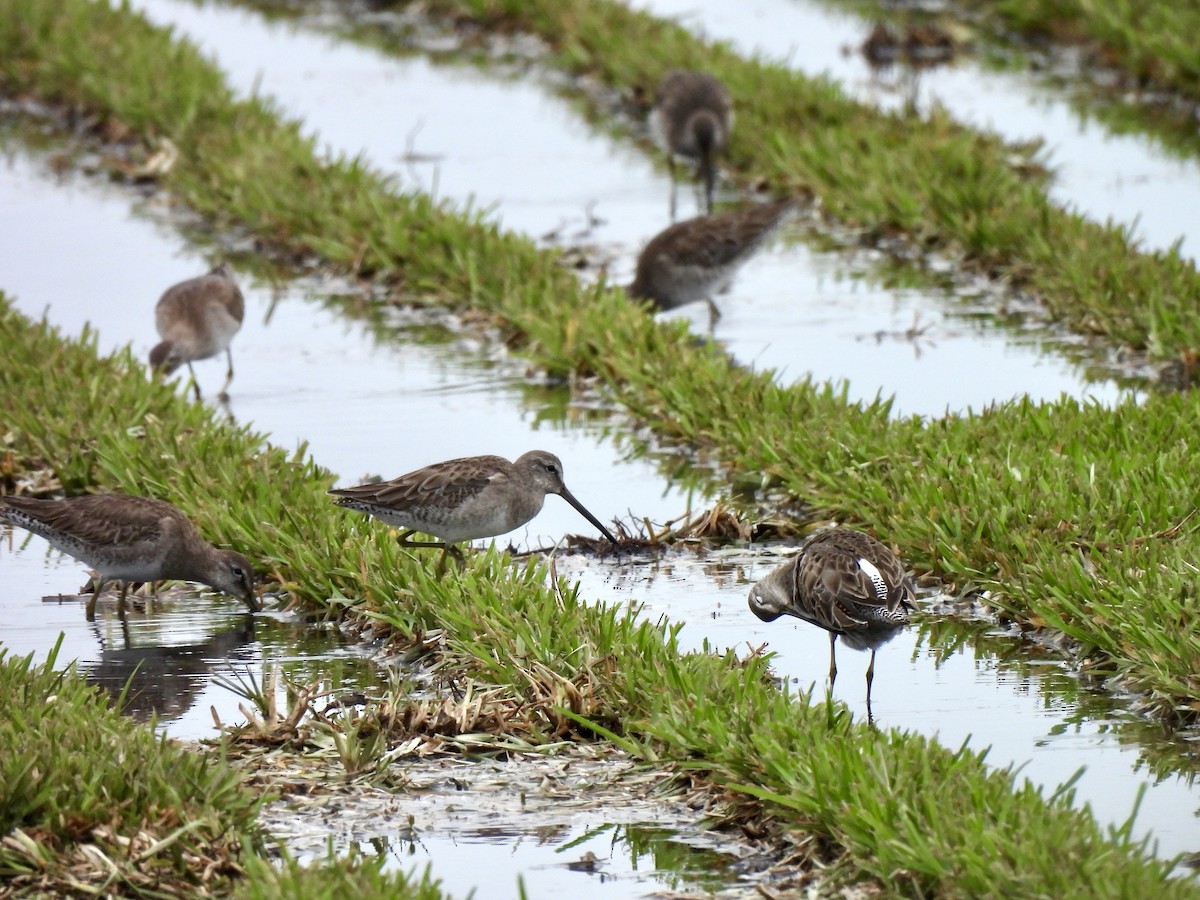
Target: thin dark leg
447 550
671 167
121 600
98 586
832 660
224 395
709 175
403 541
713 314
195 383
870 679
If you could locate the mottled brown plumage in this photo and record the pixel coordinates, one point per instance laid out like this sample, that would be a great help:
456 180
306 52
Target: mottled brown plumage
845 582
127 538
465 499
692 118
197 319
695 259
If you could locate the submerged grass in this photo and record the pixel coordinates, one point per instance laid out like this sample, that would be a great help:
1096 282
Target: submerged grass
915 816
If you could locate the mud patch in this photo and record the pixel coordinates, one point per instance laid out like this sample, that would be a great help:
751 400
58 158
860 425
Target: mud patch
590 821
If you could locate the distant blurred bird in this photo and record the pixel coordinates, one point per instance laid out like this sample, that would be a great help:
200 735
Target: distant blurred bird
464 499
127 538
691 118
197 319
845 582
697 258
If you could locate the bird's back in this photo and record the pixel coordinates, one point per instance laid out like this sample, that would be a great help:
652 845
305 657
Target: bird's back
113 533
455 500
208 309
694 259
850 582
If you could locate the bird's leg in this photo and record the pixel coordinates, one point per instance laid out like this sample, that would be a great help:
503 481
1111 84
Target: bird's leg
403 541
709 174
224 395
870 679
121 600
832 659
671 168
98 586
446 548
713 314
450 550
195 383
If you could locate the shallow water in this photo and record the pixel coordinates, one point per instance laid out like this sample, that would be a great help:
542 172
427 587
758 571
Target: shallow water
306 373
303 372
964 698
1129 178
296 391
565 823
792 309
176 651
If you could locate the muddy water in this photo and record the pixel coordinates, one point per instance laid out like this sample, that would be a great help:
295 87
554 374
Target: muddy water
510 145
1129 178
302 374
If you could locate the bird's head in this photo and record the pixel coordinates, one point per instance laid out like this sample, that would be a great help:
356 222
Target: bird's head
165 357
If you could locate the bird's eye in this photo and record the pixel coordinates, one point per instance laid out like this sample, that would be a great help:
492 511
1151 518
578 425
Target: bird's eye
551 468
239 571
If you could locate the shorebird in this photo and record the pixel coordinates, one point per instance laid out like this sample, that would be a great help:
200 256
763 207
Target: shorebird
694 259
464 499
691 118
127 538
845 582
197 319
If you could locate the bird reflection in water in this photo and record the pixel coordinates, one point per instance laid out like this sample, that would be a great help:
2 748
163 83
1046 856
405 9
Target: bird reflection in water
163 681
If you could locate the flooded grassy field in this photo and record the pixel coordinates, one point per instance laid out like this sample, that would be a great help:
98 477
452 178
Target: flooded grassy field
372 395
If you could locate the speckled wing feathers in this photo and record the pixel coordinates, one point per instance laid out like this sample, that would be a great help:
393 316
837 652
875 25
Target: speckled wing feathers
841 596
99 522
721 239
443 484
187 300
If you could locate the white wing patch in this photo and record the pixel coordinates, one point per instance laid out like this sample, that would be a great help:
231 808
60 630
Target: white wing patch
873 573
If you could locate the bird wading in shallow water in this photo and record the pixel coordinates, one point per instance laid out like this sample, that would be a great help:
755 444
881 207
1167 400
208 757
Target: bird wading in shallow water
845 582
127 539
697 258
691 118
465 499
197 319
